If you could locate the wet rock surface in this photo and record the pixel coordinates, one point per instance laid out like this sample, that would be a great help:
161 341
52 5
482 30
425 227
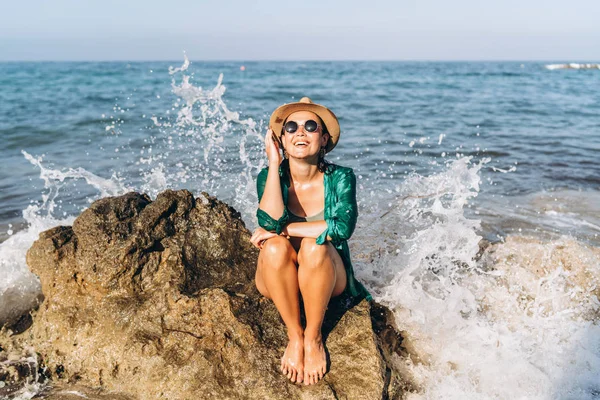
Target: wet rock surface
156 299
15 374
78 392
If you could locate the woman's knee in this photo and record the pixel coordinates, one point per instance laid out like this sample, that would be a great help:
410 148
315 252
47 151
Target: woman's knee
276 252
311 253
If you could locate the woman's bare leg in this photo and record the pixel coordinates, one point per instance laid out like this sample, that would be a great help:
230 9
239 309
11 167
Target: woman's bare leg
321 275
277 279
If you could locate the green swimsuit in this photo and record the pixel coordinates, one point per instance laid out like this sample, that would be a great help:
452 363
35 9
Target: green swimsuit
340 214
320 216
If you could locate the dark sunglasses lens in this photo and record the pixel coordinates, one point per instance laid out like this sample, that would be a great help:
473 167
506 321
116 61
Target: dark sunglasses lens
291 127
311 125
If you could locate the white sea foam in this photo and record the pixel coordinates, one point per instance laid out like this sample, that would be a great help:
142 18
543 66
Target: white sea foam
19 288
519 323
572 66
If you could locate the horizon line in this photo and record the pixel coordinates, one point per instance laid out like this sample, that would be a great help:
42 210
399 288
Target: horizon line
300 60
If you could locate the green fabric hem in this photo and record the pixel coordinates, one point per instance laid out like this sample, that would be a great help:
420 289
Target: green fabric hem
271 224
322 237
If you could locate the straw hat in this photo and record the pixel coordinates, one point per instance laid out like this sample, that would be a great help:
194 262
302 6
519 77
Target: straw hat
305 104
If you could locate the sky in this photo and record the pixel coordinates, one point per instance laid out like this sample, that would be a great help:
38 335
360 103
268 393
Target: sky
61 30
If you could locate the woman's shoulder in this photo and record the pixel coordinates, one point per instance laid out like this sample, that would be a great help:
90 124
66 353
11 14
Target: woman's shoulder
338 170
263 172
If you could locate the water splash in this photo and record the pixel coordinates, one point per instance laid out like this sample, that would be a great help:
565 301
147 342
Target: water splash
207 146
230 158
19 288
519 322
55 179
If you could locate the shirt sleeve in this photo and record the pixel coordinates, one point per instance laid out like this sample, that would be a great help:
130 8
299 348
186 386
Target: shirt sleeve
342 221
264 219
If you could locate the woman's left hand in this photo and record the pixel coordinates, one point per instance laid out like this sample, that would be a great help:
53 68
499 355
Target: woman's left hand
260 235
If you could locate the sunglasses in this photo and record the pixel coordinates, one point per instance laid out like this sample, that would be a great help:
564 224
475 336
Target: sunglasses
309 126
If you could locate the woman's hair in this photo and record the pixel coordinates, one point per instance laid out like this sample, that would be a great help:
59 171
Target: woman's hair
322 163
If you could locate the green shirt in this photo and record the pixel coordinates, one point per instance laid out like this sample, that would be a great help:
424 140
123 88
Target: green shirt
341 213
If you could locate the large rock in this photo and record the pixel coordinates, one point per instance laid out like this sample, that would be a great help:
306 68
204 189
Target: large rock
155 299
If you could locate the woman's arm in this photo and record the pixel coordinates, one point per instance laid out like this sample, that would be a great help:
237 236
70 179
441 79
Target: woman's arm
269 188
305 229
270 198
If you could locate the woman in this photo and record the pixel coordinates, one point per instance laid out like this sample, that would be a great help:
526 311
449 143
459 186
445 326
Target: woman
307 211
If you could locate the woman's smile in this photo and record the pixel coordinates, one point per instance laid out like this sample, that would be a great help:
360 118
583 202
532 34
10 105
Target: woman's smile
303 147
301 142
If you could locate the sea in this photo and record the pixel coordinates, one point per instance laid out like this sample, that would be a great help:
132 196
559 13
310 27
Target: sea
448 156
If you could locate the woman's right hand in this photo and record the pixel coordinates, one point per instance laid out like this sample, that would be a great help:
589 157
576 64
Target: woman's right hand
260 235
272 148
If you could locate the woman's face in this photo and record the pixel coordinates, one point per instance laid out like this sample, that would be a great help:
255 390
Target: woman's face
303 144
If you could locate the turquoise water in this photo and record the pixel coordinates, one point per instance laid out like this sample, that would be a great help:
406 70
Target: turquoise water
444 153
396 117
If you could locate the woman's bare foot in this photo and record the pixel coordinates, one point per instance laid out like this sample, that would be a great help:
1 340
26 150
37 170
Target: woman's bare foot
292 362
315 361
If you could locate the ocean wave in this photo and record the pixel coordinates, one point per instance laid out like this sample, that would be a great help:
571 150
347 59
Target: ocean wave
572 66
